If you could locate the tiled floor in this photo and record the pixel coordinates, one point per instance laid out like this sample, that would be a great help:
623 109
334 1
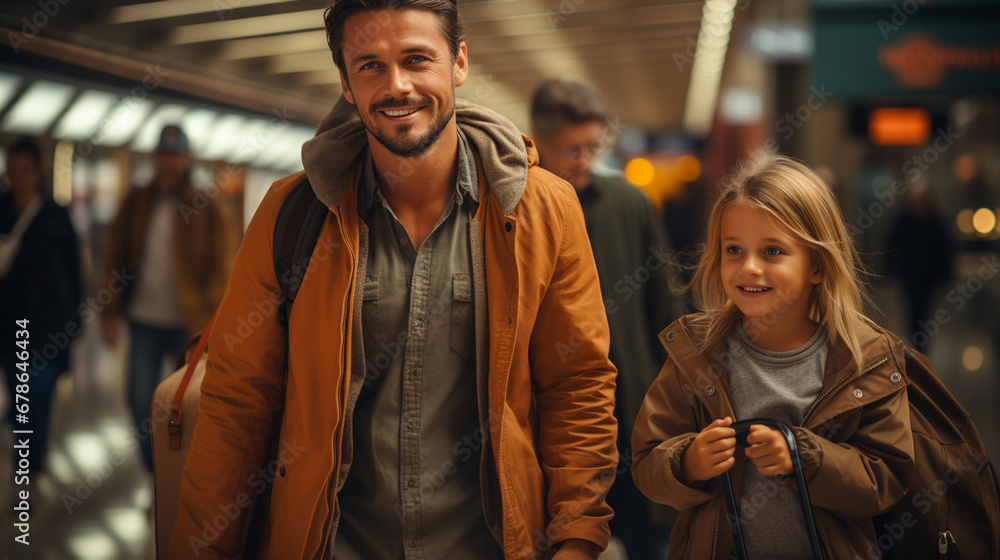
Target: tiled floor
89 507
94 510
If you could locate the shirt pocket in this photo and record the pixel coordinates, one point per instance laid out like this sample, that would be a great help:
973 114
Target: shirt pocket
462 315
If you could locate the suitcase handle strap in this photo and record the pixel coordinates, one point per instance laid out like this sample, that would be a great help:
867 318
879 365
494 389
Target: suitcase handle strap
174 426
742 431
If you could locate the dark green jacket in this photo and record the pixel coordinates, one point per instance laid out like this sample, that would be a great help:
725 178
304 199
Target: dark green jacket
633 258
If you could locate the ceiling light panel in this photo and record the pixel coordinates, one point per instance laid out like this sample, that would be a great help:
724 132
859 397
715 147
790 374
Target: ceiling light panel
83 117
8 87
38 107
706 71
224 138
197 125
123 121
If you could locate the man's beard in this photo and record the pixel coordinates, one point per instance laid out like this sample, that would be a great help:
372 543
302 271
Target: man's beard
398 145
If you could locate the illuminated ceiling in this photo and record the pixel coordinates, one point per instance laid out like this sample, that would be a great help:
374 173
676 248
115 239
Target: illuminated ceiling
268 54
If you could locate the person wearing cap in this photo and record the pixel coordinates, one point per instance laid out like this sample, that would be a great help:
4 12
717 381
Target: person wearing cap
40 284
167 259
633 253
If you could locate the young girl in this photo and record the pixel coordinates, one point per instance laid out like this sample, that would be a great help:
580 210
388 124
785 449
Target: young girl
781 336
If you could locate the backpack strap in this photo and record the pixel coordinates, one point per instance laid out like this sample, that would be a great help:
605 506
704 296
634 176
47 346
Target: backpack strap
295 234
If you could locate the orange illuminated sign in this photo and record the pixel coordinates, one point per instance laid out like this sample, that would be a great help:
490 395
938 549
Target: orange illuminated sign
918 60
899 126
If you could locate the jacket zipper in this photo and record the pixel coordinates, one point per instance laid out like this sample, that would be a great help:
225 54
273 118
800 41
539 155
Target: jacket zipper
330 483
835 386
715 535
878 361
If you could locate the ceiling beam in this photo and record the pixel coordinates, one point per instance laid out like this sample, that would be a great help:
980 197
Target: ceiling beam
247 27
163 9
225 90
288 43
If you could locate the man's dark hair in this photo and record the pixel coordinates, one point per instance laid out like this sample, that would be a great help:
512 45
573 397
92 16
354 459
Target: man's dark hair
557 103
28 147
337 14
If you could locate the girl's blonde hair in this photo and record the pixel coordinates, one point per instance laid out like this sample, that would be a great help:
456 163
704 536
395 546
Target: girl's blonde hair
797 198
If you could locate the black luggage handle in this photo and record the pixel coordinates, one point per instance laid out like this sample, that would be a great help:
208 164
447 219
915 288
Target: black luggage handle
742 431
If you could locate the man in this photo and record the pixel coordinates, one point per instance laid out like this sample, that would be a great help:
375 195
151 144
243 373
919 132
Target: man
448 392
569 126
39 294
167 257
919 255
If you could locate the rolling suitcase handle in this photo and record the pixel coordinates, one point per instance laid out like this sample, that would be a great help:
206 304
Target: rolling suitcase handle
742 430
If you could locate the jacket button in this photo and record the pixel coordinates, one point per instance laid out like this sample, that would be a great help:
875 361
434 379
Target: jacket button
671 335
709 390
281 470
858 393
507 227
895 377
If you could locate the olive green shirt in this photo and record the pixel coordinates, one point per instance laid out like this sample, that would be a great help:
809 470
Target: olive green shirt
414 489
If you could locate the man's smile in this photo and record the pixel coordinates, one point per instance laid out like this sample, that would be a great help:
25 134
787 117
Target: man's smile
398 113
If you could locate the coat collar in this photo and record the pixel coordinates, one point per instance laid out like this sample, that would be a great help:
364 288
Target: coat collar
330 157
682 339
703 366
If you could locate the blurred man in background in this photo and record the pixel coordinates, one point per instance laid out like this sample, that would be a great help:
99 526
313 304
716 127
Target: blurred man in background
570 125
39 293
169 250
919 253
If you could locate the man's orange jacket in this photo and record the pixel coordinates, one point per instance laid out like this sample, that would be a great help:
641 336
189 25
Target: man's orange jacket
546 386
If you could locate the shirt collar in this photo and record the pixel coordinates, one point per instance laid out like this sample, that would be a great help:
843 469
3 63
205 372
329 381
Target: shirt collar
466 183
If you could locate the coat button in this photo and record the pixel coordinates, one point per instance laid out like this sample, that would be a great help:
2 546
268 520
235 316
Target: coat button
858 393
507 227
281 470
895 377
709 390
671 335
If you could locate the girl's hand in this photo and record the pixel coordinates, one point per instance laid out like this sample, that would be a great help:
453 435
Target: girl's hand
769 451
711 452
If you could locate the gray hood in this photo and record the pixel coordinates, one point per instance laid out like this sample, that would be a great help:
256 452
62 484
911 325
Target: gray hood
330 156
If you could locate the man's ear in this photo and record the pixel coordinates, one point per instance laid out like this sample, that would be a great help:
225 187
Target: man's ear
461 64
348 95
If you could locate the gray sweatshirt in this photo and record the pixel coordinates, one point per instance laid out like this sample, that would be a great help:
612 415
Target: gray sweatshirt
781 386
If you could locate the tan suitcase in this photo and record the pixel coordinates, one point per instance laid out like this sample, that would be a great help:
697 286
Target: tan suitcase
174 412
174 409
173 418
